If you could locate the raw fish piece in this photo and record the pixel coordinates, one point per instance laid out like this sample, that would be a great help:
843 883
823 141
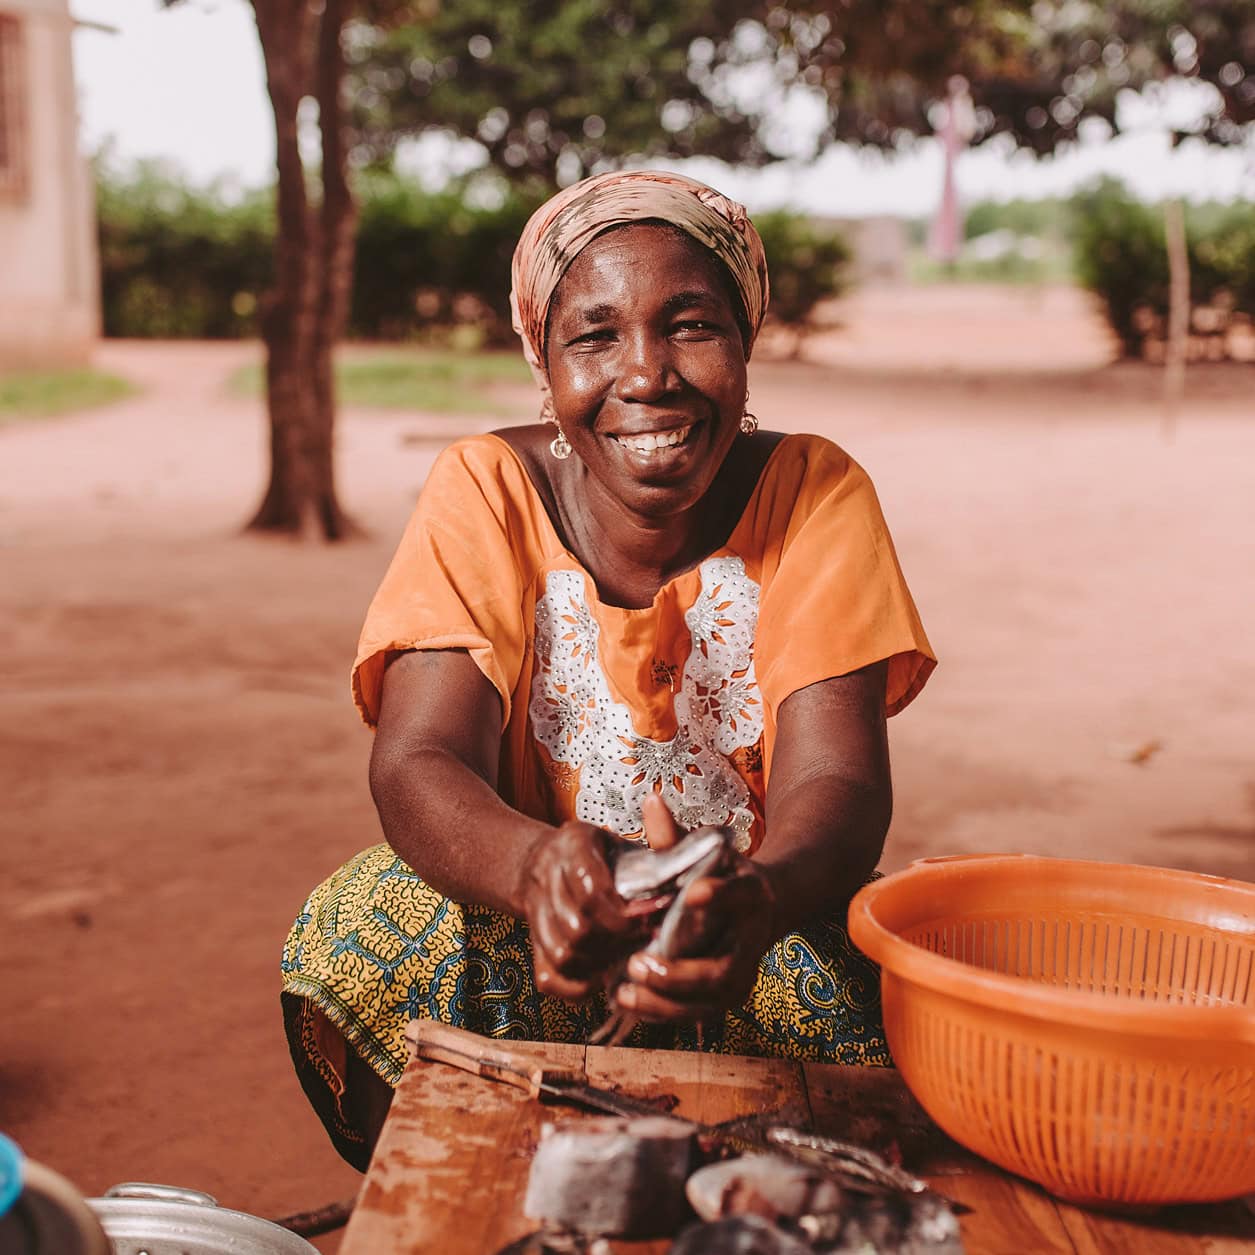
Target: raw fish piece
763 1185
615 1177
738 1235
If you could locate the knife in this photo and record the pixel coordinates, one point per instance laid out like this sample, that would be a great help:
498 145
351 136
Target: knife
494 1060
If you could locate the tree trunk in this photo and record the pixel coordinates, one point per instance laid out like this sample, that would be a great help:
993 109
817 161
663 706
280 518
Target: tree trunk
300 497
336 238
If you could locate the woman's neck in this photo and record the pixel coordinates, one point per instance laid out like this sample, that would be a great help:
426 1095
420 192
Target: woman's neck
631 556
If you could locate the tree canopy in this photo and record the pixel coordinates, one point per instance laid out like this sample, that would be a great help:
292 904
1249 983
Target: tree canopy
552 90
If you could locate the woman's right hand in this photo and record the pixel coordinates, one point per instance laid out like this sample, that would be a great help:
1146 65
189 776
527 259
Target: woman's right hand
579 926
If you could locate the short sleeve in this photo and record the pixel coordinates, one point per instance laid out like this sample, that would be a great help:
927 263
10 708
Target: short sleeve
454 582
837 600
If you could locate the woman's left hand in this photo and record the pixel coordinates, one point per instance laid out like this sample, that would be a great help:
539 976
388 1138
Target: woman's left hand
732 920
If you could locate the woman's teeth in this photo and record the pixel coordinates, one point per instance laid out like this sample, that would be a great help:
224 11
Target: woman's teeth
651 441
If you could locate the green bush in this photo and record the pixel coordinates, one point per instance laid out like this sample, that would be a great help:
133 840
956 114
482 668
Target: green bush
1122 256
432 260
177 262
806 264
1043 219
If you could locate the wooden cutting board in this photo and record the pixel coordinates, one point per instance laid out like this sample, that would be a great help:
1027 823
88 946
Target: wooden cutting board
451 1166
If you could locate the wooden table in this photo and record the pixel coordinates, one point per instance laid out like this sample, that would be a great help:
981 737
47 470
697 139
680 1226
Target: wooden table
451 1166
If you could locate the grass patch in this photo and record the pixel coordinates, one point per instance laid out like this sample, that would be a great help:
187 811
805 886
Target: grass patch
43 393
1053 265
442 381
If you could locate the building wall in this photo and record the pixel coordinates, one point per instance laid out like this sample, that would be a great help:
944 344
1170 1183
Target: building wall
49 283
878 246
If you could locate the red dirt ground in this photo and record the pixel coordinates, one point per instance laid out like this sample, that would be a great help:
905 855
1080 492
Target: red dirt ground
181 762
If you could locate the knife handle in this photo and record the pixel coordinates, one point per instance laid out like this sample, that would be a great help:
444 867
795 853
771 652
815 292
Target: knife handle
484 1056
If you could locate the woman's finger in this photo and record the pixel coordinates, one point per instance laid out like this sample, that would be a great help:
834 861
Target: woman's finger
551 982
599 907
661 829
557 945
683 979
655 1008
726 893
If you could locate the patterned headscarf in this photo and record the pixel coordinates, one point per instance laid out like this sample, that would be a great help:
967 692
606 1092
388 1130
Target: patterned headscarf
557 232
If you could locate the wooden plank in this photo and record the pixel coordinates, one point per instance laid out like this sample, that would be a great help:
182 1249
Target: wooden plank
710 1088
1218 1229
451 1166
1006 1214
872 1106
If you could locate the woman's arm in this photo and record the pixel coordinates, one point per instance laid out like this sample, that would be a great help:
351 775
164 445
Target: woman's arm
433 775
829 801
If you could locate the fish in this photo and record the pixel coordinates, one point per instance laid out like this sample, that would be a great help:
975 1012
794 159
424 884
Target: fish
859 1168
771 1186
891 1210
738 1235
644 873
661 876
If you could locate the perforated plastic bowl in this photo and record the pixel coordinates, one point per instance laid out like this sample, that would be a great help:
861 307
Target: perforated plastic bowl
1090 1026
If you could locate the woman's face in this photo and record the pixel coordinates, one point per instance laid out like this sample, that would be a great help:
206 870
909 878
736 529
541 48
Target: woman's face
646 366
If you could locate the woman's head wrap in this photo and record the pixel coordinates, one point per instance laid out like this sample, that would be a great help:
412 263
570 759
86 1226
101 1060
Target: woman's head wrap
557 232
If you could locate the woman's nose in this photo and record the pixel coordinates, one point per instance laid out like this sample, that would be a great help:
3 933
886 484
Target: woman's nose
646 369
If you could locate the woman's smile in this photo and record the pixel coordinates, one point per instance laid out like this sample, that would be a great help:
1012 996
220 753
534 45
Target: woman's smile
654 442
661 454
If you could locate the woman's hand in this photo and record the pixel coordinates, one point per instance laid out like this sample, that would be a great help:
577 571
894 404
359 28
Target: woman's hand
731 925
579 926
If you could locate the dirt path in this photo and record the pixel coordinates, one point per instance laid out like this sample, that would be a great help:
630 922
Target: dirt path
181 762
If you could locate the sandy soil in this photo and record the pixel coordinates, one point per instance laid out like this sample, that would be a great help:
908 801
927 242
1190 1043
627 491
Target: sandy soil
181 761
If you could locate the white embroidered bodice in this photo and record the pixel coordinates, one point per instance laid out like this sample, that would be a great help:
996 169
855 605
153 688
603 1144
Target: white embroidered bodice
717 708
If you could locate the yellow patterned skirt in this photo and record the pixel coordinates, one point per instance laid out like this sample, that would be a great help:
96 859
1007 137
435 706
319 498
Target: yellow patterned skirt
375 947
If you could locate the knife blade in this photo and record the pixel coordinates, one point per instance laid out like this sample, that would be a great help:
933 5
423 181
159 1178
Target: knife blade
494 1060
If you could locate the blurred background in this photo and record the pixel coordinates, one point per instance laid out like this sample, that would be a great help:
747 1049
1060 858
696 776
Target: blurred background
253 277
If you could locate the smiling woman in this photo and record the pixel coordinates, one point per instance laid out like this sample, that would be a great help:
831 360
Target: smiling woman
638 617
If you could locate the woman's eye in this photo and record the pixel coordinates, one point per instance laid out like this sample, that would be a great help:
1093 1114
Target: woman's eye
601 335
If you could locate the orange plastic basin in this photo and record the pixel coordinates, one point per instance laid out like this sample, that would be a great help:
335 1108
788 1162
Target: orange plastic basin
1090 1026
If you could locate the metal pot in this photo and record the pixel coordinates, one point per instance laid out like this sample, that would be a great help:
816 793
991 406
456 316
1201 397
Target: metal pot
142 1219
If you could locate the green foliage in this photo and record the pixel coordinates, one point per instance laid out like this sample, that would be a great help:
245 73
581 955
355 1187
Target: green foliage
1041 253
41 394
554 87
806 264
1052 265
1036 69
182 263
439 381
1121 255
1041 219
175 261
432 259
557 88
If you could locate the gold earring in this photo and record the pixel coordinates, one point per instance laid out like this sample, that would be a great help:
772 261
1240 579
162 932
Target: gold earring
560 446
749 422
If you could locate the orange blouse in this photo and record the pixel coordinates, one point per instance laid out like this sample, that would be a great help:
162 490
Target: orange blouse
601 704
